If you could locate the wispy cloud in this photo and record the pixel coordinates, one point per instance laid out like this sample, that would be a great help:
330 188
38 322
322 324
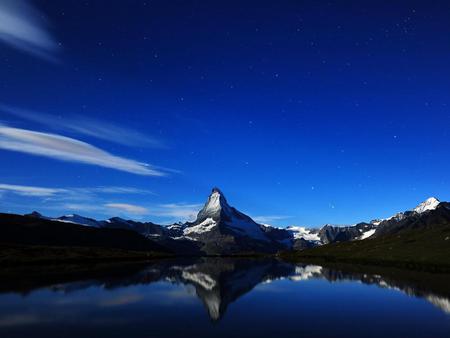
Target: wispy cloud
81 208
69 149
102 200
177 211
270 218
83 193
22 26
30 190
108 209
114 190
173 212
87 126
128 208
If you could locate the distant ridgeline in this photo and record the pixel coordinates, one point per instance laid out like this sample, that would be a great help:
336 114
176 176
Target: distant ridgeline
219 229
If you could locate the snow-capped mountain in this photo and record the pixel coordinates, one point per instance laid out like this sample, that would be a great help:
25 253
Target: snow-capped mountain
430 204
304 233
147 229
72 218
216 214
428 213
332 233
77 219
221 229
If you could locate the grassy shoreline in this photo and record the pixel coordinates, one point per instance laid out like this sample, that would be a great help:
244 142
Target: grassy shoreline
31 255
15 255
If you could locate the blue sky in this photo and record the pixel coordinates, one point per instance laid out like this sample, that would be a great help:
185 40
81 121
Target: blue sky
301 112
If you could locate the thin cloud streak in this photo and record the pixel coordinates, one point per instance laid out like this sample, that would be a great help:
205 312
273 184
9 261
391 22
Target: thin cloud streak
93 200
69 149
108 209
128 208
169 213
87 126
177 211
81 208
30 190
69 193
115 190
22 27
270 218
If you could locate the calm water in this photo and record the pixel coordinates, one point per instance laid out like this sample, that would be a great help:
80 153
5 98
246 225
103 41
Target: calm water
222 298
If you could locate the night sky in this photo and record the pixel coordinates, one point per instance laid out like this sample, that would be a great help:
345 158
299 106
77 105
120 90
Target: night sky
302 112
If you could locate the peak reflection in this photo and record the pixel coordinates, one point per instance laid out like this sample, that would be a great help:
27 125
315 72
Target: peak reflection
218 282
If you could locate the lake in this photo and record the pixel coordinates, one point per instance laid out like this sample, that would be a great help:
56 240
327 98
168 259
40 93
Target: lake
222 297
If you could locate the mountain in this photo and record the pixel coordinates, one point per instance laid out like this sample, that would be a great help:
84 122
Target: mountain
77 219
364 230
220 229
331 234
417 238
300 238
430 204
427 205
36 215
217 214
430 213
34 231
147 229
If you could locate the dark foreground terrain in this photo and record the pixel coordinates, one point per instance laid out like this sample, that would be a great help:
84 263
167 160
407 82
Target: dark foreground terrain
30 240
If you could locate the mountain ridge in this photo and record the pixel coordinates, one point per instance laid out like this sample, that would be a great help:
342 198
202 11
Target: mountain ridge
220 229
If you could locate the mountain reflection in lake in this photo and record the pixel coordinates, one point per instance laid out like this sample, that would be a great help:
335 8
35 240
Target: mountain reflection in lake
242 297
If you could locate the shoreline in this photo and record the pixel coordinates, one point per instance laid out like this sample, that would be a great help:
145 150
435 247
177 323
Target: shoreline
28 256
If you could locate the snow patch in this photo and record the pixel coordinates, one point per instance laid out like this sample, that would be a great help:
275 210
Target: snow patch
77 219
427 205
302 232
367 234
205 226
248 228
430 204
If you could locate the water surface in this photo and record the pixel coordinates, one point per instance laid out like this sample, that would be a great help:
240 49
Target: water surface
222 298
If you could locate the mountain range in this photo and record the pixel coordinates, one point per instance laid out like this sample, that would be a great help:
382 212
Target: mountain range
221 229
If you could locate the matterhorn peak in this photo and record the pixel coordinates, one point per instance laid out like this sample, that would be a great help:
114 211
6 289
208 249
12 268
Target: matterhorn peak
213 207
429 204
216 190
218 216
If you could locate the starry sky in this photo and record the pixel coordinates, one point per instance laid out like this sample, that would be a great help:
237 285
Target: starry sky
302 112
